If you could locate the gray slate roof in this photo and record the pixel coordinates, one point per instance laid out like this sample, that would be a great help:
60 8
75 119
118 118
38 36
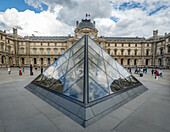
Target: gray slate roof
46 37
124 39
86 23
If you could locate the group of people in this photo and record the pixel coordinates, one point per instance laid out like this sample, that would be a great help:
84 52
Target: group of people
141 70
23 70
157 74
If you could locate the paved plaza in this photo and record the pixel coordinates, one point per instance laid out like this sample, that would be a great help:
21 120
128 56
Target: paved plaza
21 111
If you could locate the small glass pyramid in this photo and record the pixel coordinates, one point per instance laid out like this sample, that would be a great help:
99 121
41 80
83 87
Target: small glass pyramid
85 73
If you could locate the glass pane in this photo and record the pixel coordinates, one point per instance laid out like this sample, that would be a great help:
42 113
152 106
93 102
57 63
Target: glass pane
111 71
98 75
94 46
59 72
109 59
76 90
95 91
96 58
122 70
75 59
57 85
74 74
114 85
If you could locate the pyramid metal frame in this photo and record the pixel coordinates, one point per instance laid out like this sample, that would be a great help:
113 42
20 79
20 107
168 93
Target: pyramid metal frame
85 113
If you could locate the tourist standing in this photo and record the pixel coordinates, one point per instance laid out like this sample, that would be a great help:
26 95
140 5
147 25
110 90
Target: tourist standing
31 73
160 73
20 73
152 71
146 70
9 70
141 72
23 70
156 75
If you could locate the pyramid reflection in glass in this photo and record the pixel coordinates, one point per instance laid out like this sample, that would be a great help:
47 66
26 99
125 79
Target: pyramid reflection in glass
86 76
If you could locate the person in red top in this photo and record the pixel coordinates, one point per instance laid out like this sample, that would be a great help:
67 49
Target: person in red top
20 73
156 75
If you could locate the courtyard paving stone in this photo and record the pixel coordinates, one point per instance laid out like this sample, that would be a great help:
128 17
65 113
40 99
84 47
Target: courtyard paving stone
22 111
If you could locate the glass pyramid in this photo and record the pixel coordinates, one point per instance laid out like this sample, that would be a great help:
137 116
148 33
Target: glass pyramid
85 73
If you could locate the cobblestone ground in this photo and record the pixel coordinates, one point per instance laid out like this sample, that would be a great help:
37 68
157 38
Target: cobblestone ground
21 111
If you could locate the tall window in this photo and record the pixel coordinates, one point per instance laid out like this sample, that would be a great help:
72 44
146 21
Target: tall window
122 45
135 45
147 45
122 52
128 62
41 44
55 51
62 51
115 45
41 60
48 51
135 61
128 51
109 51
41 51
34 44
147 52
49 61
9 49
121 61
115 51
161 51
48 44
135 52
34 51
108 44
147 61
22 51
35 61
8 41
1 37
2 47
129 45
79 35
168 49
22 60
55 44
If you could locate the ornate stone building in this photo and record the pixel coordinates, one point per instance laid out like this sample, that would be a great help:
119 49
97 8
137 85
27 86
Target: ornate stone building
44 50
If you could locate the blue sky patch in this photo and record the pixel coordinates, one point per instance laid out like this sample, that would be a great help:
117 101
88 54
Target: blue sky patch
115 19
129 5
20 5
158 9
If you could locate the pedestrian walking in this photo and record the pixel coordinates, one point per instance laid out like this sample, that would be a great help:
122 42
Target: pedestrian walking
146 70
9 70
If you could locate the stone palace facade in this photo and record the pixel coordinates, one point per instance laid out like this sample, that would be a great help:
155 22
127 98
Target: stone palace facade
44 50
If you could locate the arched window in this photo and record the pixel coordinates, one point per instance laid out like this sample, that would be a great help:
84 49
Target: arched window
42 61
22 59
48 50
115 51
3 59
55 51
128 62
49 61
9 49
135 52
35 61
41 51
109 51
135 61
147 60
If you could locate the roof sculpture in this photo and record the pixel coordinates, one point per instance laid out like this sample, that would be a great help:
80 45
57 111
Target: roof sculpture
86 83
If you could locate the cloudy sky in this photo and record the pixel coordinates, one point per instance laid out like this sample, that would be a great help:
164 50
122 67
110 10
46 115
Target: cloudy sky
113 18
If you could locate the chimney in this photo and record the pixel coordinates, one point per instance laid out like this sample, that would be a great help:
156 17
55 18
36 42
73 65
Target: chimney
155 32
14 31
77 23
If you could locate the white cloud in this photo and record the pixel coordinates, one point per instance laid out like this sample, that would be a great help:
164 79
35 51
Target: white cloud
61 16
